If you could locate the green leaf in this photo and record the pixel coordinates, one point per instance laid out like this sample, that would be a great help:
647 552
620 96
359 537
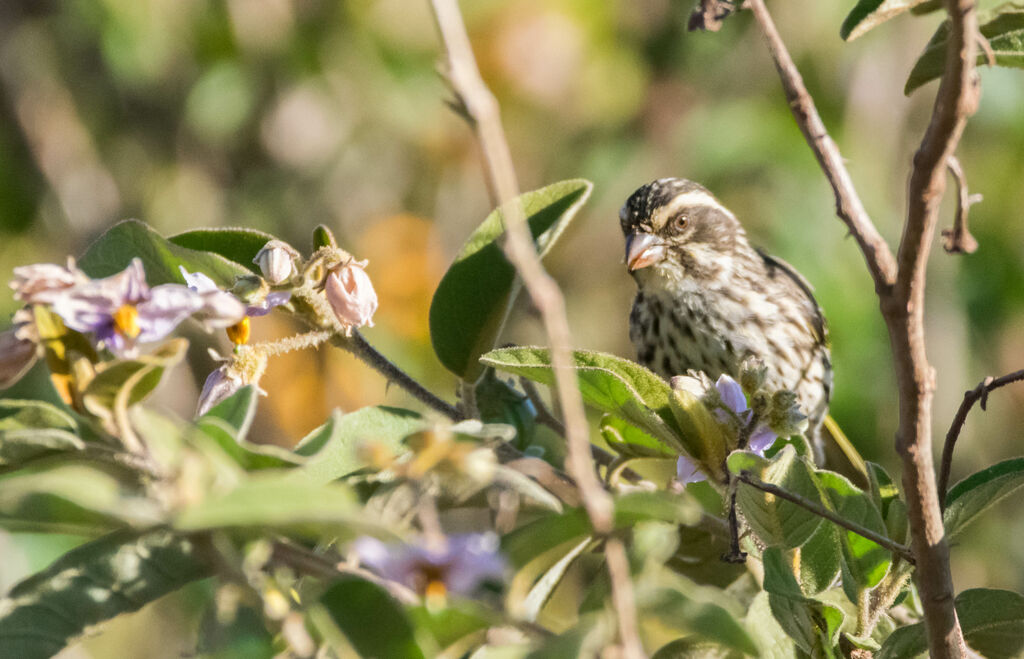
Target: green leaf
992 622
706 620
373 622
237 245
527 542
609 383
810 623
127 382
820 559
475 295
334 448
114 250
868 14
228 422
30 429
979 492
499 402
69 498
116 574
1005 35
776 521
454 622
629 441
866 561
772 640
275 500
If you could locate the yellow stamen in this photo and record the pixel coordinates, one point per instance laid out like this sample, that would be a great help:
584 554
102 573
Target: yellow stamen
239 332
435 593
126 321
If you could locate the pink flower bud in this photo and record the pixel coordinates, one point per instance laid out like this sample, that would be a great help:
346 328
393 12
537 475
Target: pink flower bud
17 354
350 292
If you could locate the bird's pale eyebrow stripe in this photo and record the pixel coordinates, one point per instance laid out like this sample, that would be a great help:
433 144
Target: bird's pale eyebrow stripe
689 200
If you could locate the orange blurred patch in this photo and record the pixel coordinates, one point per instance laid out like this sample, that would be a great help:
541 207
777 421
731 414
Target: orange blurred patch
405 266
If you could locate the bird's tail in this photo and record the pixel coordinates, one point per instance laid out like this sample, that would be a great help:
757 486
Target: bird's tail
845 445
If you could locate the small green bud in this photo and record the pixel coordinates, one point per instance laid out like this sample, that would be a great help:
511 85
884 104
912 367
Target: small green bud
323 237
785 417
752 375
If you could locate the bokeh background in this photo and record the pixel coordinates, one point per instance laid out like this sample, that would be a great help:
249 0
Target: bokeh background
283 114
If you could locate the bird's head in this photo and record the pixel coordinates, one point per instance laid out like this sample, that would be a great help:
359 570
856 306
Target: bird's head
675 228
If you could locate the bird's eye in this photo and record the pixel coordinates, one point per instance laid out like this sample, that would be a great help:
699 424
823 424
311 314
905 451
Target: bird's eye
681 221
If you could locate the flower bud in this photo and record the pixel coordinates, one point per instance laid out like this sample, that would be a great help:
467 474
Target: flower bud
350 292
785 417
752 374
219 385
276 261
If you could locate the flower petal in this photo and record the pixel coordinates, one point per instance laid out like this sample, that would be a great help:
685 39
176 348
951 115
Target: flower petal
731 393
687 471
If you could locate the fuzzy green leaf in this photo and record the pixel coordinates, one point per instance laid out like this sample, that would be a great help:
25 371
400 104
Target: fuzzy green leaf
992 622
114 250
475 295
373 622
116 574
868 14
237 245
1005 35
609 383
776 521
334 449
980 491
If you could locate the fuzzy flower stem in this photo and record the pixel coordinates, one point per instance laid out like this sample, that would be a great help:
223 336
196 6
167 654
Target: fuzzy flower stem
299 342
369 355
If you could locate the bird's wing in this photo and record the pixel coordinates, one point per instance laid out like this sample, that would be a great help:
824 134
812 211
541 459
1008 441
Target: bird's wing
778 265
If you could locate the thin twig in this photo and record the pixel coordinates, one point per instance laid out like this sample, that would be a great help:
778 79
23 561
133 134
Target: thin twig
622 597
896 548
979 393
482 109
369 355
735 555
849 208
959 240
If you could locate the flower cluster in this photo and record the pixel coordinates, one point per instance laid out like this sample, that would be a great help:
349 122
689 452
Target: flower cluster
755 426
122 311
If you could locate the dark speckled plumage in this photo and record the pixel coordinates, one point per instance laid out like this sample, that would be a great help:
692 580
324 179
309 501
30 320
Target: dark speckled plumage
710 299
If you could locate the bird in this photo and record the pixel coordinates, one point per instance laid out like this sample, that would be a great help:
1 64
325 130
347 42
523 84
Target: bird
707 300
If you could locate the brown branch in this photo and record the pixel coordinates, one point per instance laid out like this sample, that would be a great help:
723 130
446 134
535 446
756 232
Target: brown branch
959 240
978 394
877 255
482 109
896 548
904 316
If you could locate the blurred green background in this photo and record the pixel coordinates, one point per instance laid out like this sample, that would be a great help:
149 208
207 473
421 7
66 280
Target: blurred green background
282 114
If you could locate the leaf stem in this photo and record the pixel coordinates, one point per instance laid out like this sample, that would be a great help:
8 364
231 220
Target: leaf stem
358 346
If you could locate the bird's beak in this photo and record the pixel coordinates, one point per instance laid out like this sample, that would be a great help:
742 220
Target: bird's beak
642 250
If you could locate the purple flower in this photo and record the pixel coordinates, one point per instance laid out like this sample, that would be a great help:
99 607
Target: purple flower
220 309
687 471
219 385
41 283
350 292
460 565
122 311
762 437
